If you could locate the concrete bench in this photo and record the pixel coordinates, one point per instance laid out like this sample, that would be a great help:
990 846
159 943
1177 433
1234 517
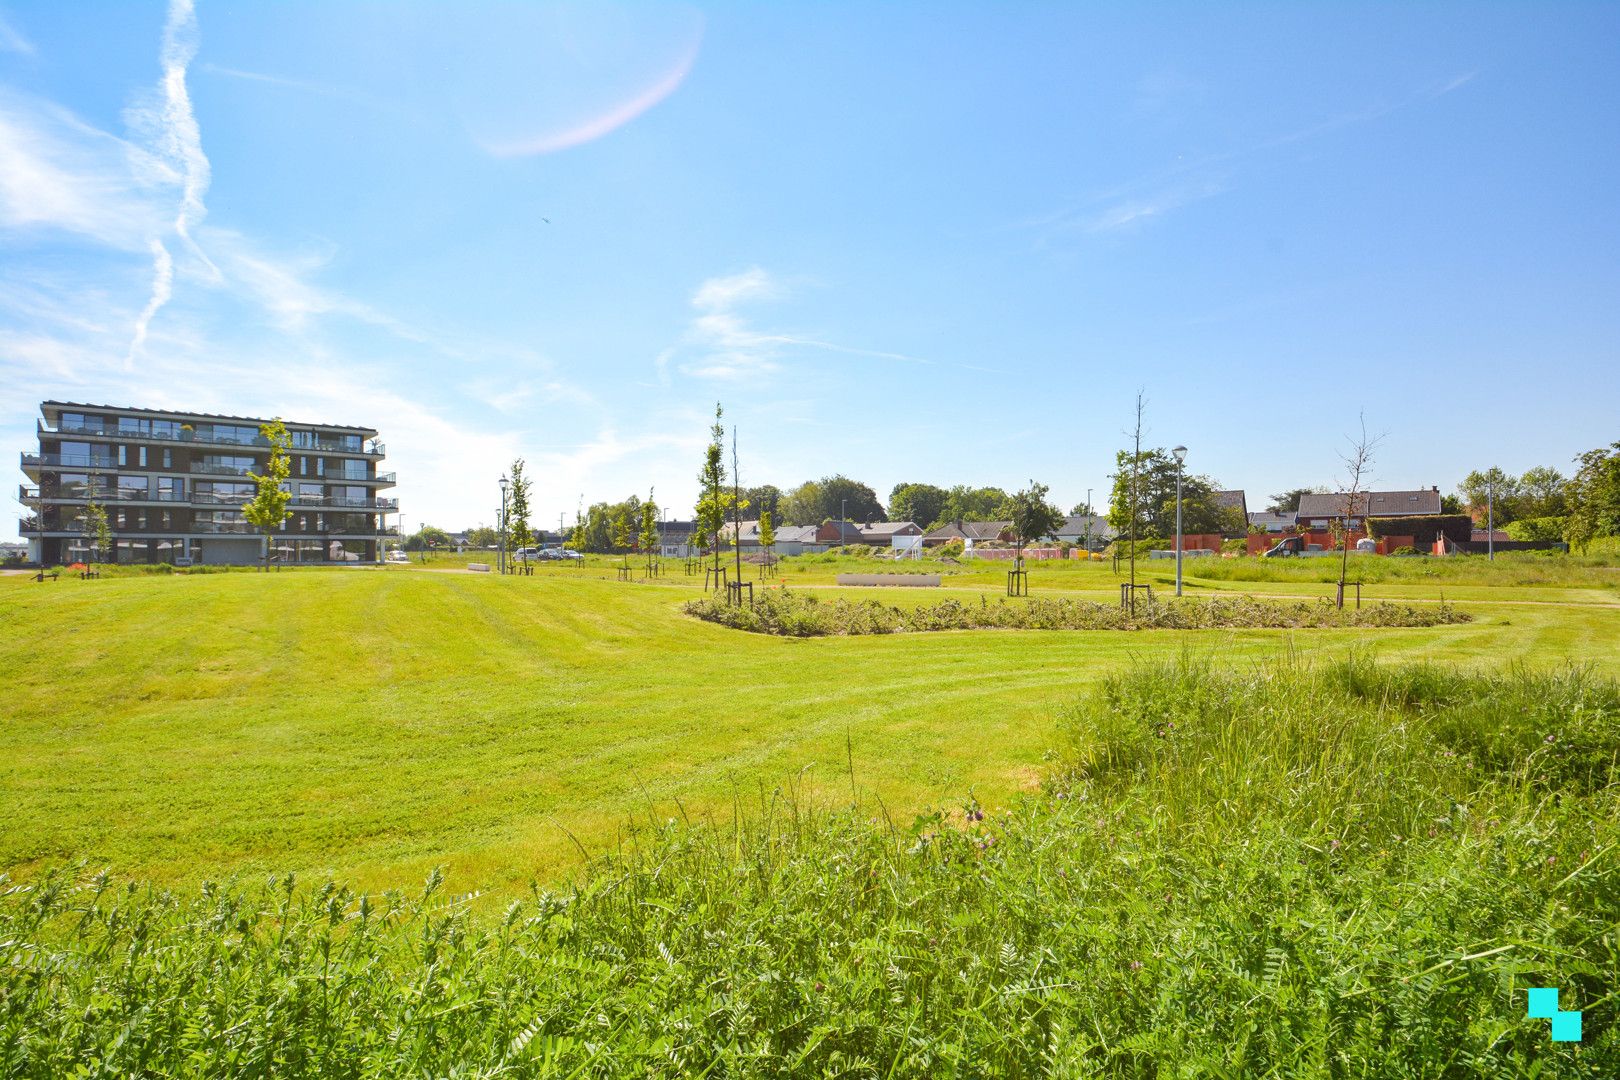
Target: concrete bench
481 567
913 580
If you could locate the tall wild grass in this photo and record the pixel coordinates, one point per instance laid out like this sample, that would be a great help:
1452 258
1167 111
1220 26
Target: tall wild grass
1347 870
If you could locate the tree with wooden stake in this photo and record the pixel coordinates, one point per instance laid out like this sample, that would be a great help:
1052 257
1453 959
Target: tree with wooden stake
518 533
621 540
767 542
714 500
1358 462
97 533
268 508
1128 517
1032 518
649 533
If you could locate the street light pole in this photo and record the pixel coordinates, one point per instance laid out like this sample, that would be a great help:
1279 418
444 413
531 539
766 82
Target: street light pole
501 562
1181 453
1490 521
1091 512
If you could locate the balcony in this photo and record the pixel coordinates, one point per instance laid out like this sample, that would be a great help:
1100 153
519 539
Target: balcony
372 449
216 469
69 461
222 528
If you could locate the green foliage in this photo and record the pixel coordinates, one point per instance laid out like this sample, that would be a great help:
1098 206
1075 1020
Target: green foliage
483 536
766 498
815 501
647 539
97 532
1594 498
1540 492
428 537
921 503
268 508
964 503
1537 528
1274 871
1032 516
621 531
713 499
1155 482
792 614
767 530
518 532
1288 501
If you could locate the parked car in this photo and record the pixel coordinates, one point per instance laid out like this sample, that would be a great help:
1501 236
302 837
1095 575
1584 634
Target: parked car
397 556
567 553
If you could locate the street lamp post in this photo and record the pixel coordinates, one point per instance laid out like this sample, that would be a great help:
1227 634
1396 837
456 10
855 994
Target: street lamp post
1181 455
1091 512
1490 521
501 562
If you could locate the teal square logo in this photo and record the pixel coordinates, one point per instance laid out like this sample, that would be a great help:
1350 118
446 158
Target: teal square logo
1543 1005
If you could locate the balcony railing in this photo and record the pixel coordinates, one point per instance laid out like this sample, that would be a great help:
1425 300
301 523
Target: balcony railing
70 461
220 469
112 431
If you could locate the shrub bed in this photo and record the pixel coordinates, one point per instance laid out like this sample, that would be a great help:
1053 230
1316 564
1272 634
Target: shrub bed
790 614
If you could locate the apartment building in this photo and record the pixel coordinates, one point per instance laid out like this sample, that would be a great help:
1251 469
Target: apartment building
173 485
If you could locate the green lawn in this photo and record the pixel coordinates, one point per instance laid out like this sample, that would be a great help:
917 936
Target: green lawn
374 723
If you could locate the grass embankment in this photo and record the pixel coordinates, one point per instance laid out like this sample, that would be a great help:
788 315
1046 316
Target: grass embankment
789 614
1348 870
375 724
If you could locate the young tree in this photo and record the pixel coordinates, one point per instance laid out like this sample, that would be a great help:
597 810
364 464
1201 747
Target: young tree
518 533
621 533
767 537
1032 516
714 500
1358 462
576 539
97 533
1126 512
649 530
482 536
268 508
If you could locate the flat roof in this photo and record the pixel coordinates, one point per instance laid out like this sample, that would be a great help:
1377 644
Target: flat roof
47 406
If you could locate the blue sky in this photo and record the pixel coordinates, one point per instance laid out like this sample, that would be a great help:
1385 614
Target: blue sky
940 242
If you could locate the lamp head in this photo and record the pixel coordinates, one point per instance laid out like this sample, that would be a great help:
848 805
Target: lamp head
1180 453
504 482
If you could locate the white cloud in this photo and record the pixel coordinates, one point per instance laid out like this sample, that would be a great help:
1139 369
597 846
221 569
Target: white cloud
723 293
13 41
57 173
729 348
171 125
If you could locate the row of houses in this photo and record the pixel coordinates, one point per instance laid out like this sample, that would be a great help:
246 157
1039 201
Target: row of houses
1087 531
1317 512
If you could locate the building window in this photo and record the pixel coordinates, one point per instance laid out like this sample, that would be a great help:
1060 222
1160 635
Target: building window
168 459
123 454
168 520
141 451
320 466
